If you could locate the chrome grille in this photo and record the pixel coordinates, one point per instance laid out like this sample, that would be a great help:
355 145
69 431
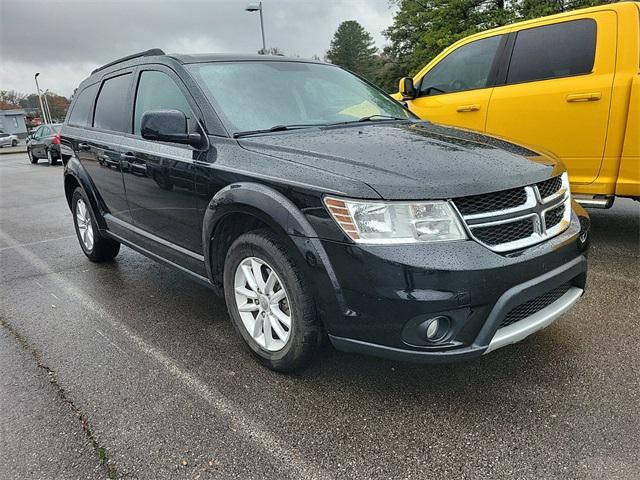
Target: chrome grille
554 216
505 232
519 217
549 187
491 201
534 305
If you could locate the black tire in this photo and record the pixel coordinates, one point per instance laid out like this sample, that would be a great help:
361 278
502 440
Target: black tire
305 329
51 160
32 159
103 249
14 143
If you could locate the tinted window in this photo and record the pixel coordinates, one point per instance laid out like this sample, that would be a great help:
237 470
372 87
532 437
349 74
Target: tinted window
157 91
44 131
466 68
56 128
83 106
111 107
553 51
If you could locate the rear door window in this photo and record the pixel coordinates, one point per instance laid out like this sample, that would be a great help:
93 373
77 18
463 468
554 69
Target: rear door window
83 107
112 109
553 51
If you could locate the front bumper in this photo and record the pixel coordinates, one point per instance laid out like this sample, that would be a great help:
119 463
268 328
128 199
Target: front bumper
386 294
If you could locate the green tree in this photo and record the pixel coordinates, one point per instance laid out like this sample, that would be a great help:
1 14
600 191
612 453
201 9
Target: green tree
353 48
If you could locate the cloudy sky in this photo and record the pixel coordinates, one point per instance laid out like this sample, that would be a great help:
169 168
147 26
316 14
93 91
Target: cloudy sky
65 39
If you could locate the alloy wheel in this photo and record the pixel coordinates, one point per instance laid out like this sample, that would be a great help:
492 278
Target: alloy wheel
263 304
83 221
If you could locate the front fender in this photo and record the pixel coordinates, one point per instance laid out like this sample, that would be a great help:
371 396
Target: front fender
279 213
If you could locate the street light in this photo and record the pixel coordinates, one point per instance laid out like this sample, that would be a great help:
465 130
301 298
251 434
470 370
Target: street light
44 114
257 7
46 105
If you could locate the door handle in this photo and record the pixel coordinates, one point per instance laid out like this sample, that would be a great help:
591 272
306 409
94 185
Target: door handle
126 159
584 97
84 146
468 108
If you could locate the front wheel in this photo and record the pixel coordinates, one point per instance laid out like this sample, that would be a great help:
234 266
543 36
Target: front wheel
94 245
269 302
14 143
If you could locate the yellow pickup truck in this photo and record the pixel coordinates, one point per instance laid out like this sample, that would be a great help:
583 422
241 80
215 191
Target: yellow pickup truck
569 83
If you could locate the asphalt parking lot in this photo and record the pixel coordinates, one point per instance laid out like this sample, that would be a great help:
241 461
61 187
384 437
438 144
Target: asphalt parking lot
130 369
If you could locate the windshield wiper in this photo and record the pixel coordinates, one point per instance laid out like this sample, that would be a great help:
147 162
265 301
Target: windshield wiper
370 118
277 128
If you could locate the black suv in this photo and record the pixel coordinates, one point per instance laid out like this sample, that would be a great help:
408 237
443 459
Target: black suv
319 206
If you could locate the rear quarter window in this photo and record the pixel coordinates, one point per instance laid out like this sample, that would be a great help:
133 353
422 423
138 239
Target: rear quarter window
553 51
82 109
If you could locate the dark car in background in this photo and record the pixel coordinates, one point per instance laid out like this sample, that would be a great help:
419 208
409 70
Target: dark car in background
320 207
44 142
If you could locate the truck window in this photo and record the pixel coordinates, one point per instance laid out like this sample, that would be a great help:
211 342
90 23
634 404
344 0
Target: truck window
111 106
83 106
466 68
560 50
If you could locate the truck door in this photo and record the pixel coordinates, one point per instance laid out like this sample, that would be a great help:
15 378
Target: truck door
456 90
557 90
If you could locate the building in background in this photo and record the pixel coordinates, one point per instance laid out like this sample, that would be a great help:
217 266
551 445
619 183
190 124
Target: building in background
13 121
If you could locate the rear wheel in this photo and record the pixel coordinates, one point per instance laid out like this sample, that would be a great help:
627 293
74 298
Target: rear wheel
269 302
51 160
14 143
94 245
32 158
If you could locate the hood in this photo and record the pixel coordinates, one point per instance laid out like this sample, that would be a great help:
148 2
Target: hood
410 161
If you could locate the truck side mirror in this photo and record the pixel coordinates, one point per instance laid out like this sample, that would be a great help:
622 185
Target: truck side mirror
406 88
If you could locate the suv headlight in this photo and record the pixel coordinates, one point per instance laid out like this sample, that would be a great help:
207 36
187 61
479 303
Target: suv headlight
377 222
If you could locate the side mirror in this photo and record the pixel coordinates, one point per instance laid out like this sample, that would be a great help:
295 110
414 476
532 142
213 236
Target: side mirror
406 88
168 126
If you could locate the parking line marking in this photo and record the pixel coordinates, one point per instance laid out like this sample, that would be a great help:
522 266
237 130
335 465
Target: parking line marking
17 245
252 431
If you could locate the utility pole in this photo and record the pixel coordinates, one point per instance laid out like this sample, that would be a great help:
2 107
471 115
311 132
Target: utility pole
44 114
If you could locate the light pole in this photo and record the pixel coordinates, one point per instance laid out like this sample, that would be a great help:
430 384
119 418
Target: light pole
46 105
257 7
44 114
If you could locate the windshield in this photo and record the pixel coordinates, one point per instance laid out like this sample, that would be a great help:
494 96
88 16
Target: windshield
264 94
56 127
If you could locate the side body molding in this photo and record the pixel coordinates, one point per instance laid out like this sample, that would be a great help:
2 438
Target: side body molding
274 209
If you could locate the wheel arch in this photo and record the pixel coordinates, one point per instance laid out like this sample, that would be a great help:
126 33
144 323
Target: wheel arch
246 206
76 176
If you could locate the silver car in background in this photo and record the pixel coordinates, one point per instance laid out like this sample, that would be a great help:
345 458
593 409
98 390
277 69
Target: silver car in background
8 140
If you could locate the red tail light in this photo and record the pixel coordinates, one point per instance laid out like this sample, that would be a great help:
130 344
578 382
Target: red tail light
56 139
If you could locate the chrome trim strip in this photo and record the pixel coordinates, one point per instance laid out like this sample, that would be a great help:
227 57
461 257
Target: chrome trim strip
151 236
521 329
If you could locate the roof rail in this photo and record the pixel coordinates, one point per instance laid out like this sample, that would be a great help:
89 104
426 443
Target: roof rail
146 53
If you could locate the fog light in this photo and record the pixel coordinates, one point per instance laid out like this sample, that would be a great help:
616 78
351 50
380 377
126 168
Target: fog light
432 329
437 328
